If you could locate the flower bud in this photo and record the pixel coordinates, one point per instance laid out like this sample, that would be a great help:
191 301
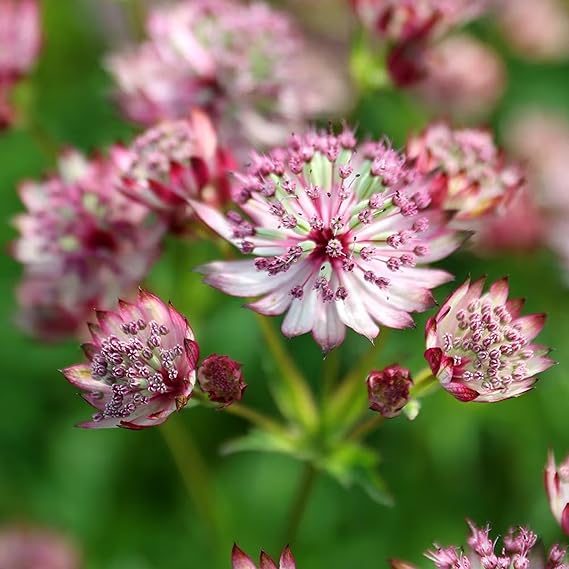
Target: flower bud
388 390
221 378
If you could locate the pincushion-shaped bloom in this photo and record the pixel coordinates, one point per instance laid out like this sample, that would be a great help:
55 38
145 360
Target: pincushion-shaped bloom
82 243
240 560
480 348
32 548
221 379
174 161
142 364
389 390
410 26
336 233
241 62
471 177
557 488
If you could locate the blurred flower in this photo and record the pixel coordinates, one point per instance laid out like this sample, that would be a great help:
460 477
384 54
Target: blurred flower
244 64
20 40
470 176
29 548
142 364
464 77
557 487
388 390
81 242
479 347
336 232
221 379
240 560
409 27
174 161
536 30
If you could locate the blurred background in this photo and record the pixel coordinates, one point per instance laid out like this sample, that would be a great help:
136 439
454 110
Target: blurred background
120 496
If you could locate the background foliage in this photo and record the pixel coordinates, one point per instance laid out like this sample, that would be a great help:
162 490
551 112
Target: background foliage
119 495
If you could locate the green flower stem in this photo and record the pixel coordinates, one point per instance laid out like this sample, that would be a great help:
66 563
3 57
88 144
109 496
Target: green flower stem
137 17
255 417
366 427
301 396
305 486
425 383
368 65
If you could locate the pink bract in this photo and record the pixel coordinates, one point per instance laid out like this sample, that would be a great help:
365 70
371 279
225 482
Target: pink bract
556 479
142 364
240 560
389 390
479 346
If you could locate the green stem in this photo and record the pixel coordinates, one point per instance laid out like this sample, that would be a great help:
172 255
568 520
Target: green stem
137 15
424 383
305 486
368 426
254 417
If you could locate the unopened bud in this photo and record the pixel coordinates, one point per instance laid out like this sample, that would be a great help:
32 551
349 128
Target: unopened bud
221 379
388 390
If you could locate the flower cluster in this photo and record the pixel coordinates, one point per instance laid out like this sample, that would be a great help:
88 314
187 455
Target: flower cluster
336 232
241 560
82 244
142 364
241 63
20 40
389 390
221 379
480 348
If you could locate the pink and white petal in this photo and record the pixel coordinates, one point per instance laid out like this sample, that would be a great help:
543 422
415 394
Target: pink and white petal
180 327
551 480
461 392
109 423
328 330
538 365
214 219
352 311
240 560
531 325
266 562
301 315
498 292
287 560
441 247
129 311
80 375
110 323
423 277
515 306
565 519
153 307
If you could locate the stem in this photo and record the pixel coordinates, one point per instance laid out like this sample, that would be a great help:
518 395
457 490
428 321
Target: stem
425 382
305 486
137 16
366 427
254 417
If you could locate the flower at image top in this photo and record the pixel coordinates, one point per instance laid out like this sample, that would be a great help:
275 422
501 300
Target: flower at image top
241 62
240 560
82 244
142 364
480 348
340 235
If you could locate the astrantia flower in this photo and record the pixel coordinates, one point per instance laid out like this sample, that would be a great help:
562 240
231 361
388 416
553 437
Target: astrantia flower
142 364
240 560
174 161
240 62
221 379
30 548
480 348
471 177
20 38
388 390
557 487
81 239
336 232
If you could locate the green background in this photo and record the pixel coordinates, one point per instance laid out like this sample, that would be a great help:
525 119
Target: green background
119 495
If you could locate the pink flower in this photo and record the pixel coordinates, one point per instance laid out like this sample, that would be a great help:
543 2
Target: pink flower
388 390
471 177
32 548
557 488
242 63
174 161
81 242
464 77
221 379
479 347
142 364
242 561
336 233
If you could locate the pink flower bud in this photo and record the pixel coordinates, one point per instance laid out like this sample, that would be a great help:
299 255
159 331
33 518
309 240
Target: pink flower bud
557 487
388 390
240 560
222 379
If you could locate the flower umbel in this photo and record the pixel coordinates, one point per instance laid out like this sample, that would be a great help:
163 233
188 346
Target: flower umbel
241 560
221 379
480 348
142 364
557 487
388 390
336 232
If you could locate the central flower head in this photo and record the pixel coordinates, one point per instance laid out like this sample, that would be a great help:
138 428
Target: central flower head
336 232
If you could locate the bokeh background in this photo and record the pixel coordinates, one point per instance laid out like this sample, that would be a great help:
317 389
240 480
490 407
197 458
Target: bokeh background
120 496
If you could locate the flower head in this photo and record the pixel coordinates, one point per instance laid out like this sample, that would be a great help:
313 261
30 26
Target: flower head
388 390
557 487
81 242
241 560
222 379
480 348
174 161
470 175
30 548
142 364
336 233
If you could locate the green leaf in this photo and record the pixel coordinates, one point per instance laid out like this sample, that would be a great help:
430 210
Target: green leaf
261 441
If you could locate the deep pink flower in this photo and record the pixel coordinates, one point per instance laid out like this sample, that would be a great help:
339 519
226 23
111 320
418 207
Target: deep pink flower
32 548
471 177
336 232
82 243
241 560
174 161
142 364
388 390
480 348
221 379
242 63
557 487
